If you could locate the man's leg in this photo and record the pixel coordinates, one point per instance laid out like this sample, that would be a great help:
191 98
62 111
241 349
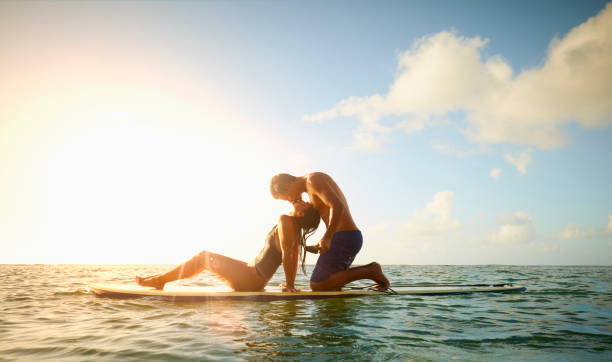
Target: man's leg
337 280
332 270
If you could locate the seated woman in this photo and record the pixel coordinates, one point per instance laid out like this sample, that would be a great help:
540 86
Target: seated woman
284 242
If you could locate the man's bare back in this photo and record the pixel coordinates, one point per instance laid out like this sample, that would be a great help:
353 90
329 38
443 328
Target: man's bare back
320 187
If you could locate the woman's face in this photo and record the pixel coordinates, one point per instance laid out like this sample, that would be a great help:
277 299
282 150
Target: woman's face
299 207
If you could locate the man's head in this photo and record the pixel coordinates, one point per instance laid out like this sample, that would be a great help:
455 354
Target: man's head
282 187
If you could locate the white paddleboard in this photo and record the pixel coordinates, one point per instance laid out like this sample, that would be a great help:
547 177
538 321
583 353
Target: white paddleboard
203 294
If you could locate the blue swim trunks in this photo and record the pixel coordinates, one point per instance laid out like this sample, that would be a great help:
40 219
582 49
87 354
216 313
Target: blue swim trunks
344 246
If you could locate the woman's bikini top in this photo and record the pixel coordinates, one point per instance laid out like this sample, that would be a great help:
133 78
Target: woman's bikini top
269 258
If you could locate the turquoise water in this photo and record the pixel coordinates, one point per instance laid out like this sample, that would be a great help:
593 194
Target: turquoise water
565 314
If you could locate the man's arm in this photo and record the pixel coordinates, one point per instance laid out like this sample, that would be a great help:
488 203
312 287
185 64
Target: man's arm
322 189
290 247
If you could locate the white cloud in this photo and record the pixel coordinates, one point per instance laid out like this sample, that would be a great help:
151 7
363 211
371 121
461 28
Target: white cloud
572 231
495 173
609 227
434 219
411 125
443 148
370 136
520 160
446 72
515 229
369 139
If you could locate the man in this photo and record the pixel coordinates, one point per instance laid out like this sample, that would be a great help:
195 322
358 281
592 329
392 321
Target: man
342 239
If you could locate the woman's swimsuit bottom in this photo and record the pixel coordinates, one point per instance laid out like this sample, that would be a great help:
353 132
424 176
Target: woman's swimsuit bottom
269 258
344 247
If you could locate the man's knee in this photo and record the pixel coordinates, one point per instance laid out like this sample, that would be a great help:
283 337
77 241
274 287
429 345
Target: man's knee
317 286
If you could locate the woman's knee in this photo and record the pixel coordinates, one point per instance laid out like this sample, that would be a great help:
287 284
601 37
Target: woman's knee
205 258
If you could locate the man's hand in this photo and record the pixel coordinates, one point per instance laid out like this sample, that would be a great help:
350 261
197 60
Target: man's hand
324 245
291 289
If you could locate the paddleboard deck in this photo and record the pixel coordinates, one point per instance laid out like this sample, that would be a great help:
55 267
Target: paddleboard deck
203 294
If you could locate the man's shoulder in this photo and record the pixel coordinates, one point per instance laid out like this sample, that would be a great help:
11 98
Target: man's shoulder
317 177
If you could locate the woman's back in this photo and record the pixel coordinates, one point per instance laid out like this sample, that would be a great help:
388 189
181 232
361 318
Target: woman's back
269 258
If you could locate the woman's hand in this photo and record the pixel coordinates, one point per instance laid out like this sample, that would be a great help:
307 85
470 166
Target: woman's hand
290 289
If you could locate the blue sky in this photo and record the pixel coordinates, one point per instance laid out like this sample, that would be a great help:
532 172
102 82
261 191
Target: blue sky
461 132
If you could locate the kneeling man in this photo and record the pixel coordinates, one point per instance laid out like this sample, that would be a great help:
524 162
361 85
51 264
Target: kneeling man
342 239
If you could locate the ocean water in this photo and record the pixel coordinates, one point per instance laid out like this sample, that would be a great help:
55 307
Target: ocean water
46 313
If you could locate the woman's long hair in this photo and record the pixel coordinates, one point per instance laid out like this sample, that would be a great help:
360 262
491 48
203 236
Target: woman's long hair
308 225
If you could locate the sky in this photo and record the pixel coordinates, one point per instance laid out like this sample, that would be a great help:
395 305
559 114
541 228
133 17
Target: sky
472 132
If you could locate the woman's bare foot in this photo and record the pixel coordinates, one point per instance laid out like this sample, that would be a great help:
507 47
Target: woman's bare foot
150 282
382 283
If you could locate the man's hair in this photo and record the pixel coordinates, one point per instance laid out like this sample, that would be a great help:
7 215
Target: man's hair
280 183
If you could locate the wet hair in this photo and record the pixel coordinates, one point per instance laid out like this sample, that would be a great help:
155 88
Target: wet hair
280 183
308 224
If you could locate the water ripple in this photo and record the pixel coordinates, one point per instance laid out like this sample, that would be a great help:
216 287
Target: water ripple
565 314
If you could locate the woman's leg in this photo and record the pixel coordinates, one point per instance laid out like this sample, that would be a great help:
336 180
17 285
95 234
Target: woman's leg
235 273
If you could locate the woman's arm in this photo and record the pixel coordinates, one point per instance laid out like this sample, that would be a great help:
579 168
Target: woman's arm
288 234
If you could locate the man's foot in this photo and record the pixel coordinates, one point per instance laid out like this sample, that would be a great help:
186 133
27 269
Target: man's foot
377 275
150 282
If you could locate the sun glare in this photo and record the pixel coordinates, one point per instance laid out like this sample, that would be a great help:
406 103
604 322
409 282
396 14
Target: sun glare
131 183
116 164
150 195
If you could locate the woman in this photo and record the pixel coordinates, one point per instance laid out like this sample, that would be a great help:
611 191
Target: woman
284 242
